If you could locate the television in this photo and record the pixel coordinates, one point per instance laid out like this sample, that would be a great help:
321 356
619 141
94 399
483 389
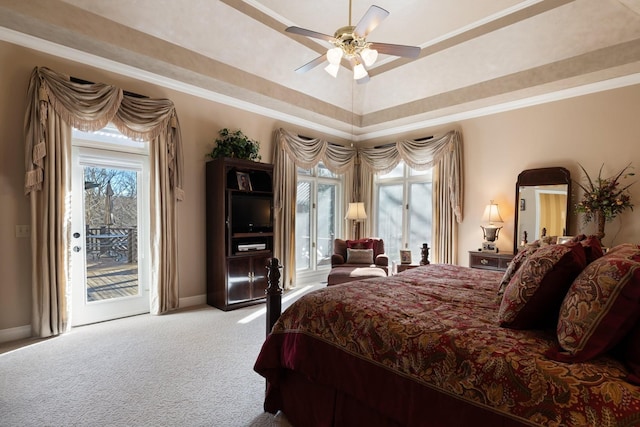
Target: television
251 213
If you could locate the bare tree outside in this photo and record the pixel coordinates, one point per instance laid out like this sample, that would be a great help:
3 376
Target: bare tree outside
124 198
111 219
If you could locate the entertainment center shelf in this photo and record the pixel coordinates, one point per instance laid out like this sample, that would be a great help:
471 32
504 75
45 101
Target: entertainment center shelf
242 235
239 222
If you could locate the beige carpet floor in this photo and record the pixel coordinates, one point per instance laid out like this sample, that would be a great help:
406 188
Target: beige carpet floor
193 367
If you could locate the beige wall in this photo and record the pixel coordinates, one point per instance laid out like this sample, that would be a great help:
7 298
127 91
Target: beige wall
592 129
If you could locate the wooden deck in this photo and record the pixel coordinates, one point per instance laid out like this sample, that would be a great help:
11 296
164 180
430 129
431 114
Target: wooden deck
107 278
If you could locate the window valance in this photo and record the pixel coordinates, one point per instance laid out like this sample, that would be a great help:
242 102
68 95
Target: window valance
418 154
308 152
90 107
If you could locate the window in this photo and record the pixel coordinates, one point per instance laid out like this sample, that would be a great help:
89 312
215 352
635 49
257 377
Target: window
403 211
317 218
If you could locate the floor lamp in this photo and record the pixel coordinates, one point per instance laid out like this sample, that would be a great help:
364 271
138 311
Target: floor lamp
356 213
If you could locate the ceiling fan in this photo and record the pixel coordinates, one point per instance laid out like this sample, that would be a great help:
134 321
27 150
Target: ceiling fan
350 42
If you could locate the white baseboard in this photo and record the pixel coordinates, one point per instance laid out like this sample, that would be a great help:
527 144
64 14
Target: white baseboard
14 334
22 332
191 301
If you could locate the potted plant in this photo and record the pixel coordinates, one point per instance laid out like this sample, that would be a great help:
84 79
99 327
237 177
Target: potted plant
235 144
604 198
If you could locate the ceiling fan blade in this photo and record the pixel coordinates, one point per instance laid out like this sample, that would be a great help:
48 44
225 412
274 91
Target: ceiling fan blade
312 64
370 20
396 49
309 33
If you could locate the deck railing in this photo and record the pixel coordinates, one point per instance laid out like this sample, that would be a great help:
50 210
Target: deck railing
119 243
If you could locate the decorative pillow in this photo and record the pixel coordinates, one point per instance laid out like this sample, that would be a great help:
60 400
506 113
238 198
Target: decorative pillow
360 244
625 250
534 294
601 307
591 246
544 241
514 265
359 256
631 354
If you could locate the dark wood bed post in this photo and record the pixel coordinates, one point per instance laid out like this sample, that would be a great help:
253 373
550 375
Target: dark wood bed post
274 293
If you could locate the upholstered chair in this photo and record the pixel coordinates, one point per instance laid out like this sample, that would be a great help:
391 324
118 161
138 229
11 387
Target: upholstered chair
357 259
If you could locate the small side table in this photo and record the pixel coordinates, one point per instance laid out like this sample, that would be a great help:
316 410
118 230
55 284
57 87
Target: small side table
489 260
402 267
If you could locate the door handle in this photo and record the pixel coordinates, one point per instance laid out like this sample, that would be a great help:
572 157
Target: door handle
76 249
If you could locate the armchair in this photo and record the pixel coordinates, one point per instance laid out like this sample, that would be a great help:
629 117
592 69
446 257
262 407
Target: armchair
357 259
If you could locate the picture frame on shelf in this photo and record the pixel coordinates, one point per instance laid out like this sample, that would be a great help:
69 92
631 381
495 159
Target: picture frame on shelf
244 181
405 256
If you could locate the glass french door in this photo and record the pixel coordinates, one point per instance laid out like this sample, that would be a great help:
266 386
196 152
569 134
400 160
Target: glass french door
317 223
109 235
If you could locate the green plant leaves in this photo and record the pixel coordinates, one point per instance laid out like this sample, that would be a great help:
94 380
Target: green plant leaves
237 145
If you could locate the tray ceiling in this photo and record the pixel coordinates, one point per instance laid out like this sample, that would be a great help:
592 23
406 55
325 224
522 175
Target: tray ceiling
475 56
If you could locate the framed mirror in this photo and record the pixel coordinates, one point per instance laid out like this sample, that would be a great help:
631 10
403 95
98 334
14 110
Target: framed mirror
542 204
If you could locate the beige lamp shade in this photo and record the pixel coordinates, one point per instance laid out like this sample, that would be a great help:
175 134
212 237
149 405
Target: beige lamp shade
356 211
492 214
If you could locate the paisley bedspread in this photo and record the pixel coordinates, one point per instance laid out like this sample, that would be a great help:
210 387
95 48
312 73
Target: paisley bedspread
435 327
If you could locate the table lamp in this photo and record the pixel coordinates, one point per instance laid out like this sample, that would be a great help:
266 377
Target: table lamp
491 217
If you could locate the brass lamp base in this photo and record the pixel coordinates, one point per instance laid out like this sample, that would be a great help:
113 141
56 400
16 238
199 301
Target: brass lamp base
490 237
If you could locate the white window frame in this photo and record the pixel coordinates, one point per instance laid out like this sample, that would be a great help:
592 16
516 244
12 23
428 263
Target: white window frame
317 272
408 177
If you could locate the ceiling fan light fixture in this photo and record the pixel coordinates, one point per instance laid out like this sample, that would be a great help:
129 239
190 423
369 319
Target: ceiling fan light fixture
359 72
369 56
350 43
334 55
332 69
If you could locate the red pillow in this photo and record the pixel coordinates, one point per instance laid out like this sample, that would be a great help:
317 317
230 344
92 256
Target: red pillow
360 244
592 248
631 354
514 265
534 294
601 307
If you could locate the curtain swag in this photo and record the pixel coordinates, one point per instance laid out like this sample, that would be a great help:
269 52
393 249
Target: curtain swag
419 155
90 107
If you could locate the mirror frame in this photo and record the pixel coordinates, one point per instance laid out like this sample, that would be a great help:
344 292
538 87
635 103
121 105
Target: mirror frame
541 176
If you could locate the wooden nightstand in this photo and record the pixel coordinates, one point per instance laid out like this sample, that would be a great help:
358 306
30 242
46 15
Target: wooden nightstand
489 260
399 268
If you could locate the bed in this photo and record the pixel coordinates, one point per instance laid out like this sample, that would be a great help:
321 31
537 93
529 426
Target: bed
435 345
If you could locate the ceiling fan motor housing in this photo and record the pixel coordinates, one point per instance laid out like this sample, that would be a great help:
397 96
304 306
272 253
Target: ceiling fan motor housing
351 44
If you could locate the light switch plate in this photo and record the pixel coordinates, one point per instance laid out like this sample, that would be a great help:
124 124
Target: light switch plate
23 231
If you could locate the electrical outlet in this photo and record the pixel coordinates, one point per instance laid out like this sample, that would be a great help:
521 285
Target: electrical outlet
23 231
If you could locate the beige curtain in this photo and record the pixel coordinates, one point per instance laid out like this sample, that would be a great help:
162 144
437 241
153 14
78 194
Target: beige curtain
290 152
359 167
444 155
447 204
550 205
55 105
